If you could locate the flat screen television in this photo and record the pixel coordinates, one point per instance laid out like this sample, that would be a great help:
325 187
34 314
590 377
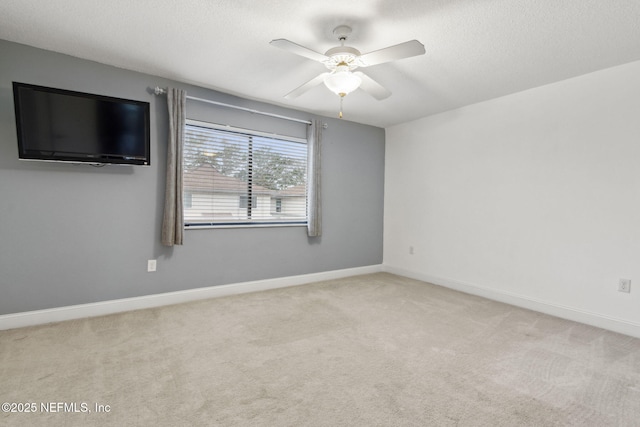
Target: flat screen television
63 125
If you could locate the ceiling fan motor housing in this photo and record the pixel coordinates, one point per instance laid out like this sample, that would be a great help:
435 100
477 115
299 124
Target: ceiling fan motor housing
342 55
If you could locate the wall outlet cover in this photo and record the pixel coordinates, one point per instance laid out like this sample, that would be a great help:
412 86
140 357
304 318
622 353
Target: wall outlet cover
624 285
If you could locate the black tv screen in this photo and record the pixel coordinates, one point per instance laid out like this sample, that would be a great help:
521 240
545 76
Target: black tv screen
63 125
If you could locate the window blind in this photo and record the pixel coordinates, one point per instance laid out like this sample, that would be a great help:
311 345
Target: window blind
241 177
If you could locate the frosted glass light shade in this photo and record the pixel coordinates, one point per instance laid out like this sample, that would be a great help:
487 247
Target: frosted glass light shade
342 81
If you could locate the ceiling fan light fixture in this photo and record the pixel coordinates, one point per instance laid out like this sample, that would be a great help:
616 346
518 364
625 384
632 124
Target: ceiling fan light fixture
342 81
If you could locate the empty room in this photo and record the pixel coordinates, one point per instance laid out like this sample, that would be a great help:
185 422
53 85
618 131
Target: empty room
295 213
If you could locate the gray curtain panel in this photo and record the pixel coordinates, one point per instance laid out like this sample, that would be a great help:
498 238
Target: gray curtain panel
314 224
172 221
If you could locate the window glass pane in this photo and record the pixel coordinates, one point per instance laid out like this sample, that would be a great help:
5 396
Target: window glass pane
239 178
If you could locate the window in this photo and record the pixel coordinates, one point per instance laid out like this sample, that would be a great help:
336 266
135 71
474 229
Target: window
241 177
244 202
187 199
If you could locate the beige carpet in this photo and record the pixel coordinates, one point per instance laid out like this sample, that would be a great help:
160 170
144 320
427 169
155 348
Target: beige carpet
374 350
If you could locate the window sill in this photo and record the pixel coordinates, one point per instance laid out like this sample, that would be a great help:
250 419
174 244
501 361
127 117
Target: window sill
243 225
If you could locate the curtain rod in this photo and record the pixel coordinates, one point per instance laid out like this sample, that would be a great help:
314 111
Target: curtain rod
160 91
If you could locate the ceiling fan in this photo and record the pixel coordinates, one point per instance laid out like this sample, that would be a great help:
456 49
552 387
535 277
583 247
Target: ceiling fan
341 61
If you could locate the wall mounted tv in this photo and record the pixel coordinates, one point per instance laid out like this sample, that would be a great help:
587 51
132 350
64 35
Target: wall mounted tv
62 125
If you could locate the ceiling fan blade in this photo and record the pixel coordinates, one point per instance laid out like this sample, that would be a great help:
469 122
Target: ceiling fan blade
298 50
372 87
308 85
392 53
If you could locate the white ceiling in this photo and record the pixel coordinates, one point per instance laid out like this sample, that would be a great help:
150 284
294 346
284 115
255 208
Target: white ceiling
476 49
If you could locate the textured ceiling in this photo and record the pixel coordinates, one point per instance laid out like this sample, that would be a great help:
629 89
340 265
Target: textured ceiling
475 49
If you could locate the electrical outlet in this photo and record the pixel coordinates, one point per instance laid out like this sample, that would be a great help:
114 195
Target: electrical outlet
151 265
624 285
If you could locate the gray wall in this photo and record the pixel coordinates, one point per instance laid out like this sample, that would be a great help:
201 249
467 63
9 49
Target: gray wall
73 234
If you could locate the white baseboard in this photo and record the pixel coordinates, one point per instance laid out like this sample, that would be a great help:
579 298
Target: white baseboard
557 310
39 317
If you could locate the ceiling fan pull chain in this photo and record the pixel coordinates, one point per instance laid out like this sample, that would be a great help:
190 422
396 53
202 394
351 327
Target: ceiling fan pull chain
340 115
